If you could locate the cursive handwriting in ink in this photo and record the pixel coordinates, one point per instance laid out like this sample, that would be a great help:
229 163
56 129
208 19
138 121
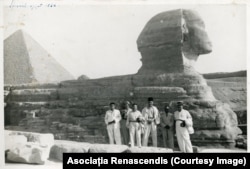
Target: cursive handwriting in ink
15 4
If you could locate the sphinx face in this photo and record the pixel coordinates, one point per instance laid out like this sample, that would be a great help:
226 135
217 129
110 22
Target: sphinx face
172 41
194 35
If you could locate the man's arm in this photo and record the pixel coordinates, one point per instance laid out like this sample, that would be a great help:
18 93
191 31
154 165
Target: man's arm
157 116
118 116
144 114
189 120
127 121
106 118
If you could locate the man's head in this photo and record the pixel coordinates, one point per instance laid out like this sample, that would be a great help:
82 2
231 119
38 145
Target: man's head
112 105
134 107
127 104
166 109
150 101
179 106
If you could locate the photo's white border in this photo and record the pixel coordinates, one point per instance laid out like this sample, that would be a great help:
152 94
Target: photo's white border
1 91
112 2
248 67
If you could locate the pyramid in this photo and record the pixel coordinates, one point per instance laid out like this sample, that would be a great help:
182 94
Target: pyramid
25 62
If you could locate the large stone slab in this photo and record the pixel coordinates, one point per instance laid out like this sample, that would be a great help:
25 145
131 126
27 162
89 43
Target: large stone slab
148 150
221 150
107 148
31 153
62 146
45 141
13 141
42 139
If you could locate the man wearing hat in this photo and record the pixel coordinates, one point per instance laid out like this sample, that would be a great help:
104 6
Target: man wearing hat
112 120
183 121
151 116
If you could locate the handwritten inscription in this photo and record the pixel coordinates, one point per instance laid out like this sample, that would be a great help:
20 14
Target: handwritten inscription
16 4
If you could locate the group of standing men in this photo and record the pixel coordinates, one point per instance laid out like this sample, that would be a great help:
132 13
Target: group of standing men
124 127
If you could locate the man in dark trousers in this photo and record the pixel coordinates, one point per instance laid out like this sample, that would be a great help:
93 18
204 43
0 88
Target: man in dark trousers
167 128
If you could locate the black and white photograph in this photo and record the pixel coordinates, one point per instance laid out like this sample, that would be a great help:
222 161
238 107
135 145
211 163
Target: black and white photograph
122 77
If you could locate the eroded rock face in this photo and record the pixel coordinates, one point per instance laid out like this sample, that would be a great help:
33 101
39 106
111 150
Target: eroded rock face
172 41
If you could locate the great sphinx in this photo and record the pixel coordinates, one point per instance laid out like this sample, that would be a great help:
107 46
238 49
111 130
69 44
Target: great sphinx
170 44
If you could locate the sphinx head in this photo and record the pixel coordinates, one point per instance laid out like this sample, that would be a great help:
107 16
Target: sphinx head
172 41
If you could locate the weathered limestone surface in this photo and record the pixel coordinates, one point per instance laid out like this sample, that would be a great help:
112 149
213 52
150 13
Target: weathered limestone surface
42 139
148 150
27 147
107 148
30 153
170 43
63 146
12 140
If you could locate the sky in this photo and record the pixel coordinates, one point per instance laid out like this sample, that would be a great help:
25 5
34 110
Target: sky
100 40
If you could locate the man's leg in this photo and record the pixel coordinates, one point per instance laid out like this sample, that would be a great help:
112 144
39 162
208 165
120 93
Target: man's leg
138 136
154 134
117 135
187 143
180 140
110 134
146 135
164 136
132 134
126 136
124 132
170 140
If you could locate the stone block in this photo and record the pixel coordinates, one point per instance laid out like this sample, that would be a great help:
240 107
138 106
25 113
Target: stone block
107 148
148 150
62 146
31 153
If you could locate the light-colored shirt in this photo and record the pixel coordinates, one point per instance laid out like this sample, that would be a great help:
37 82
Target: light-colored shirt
183 115
132 116
112 115
151 114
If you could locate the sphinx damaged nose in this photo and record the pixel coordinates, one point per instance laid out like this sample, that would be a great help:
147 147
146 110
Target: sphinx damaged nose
205 47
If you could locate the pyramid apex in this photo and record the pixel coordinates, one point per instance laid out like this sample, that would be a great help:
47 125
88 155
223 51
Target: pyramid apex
26 60
18 32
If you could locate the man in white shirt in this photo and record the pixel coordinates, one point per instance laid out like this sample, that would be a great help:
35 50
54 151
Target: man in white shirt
112 120
124 128
183 120
134 121
167 128
151 116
